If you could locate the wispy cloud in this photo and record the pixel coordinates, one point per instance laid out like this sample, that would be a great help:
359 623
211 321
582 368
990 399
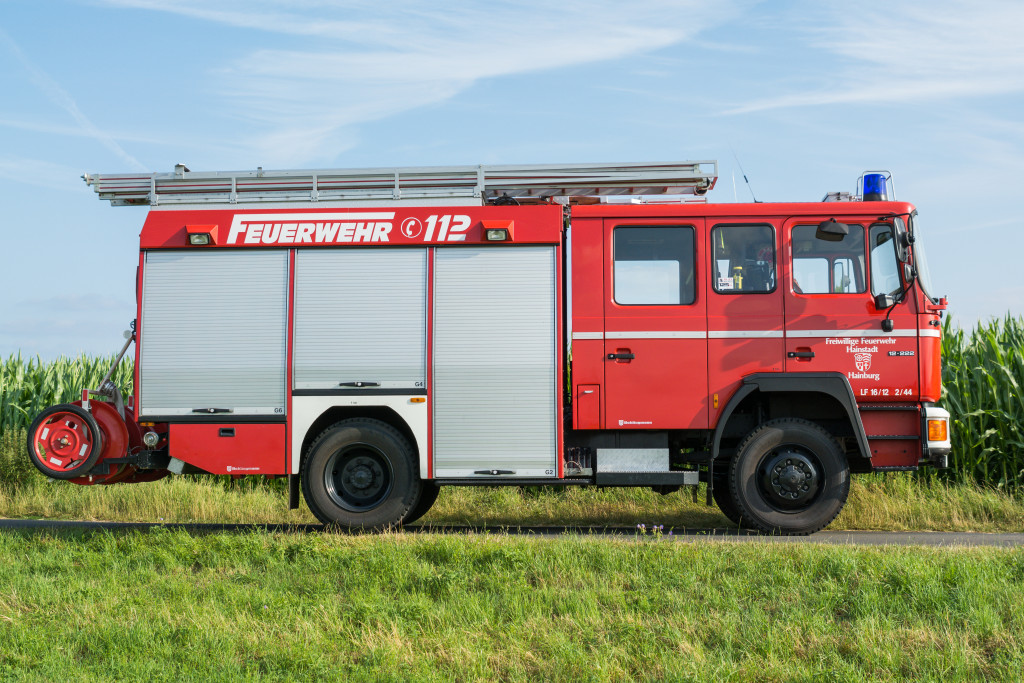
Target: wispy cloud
41 173
65 101
366 61
74 131
907 52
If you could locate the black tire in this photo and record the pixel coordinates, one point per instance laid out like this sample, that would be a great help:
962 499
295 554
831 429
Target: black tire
789 477
428 496
722 495
85 427
360 474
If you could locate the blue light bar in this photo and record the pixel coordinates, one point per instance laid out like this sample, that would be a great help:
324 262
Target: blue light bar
874 187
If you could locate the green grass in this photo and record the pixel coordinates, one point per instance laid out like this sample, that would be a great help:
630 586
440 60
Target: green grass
167 605
899 502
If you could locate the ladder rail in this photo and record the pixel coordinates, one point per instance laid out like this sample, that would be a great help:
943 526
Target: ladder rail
544 181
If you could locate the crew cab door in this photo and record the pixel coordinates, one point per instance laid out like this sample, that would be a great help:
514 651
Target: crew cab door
832 324
655 345
745 314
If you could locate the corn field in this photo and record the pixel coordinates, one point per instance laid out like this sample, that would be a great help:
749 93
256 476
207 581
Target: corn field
27 386
982 376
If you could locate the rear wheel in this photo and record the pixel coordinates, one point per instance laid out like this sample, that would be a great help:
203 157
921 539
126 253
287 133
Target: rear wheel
360 473
428 497
789 476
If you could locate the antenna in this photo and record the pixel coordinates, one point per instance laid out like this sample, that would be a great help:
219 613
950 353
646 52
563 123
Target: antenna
743 173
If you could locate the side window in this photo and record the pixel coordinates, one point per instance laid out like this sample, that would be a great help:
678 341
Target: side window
654 265
823 267
885 274
743 258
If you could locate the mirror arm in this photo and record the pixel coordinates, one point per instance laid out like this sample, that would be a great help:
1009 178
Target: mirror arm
887 324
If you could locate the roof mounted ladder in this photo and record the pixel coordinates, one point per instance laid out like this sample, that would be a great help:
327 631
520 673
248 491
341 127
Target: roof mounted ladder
545 182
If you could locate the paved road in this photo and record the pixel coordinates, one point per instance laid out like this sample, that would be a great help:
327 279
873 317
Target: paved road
927 538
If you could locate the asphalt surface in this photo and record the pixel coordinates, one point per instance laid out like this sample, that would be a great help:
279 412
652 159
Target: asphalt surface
918 538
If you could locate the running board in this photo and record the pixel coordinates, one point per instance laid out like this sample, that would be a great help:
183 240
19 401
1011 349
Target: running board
689 478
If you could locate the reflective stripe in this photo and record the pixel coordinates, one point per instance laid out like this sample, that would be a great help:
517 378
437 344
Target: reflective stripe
752 334
635 334
850 333
745 334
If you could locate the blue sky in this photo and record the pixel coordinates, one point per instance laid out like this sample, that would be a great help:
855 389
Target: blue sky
807 95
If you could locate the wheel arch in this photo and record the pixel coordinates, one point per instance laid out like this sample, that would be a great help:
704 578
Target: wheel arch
827 395
335 414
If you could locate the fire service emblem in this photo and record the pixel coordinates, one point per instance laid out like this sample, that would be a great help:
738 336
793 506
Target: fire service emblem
863 361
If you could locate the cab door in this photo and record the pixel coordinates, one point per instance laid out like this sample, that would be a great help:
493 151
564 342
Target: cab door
655 342
745 313
832 324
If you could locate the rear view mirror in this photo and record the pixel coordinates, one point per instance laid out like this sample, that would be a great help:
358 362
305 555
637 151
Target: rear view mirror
832 230
884 301
903 240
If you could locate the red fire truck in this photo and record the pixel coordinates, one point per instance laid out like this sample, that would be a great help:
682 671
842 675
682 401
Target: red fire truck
375 334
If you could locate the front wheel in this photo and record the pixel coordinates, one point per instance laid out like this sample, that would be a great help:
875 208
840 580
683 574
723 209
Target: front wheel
789 477
722 495
360 474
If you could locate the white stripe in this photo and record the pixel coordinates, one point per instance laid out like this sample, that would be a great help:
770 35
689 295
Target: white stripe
745 334
672 334
850 333
752 334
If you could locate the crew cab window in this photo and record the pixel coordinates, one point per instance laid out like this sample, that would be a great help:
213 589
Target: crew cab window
743 258
885 274
823 267
654 265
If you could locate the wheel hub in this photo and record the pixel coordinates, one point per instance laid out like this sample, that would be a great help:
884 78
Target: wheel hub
362 473
358 478
790 478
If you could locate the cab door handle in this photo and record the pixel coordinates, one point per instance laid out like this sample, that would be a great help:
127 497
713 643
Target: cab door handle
621 356
800 354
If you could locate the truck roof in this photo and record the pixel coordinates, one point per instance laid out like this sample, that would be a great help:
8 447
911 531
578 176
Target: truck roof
764 209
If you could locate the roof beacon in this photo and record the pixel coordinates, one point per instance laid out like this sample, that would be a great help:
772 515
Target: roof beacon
874 185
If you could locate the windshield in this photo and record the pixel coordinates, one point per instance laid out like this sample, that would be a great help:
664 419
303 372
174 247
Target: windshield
924 274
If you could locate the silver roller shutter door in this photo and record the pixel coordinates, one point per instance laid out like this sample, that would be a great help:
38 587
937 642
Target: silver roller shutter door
214 332
360 316
494 361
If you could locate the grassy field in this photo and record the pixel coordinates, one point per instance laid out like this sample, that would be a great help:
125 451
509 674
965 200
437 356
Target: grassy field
899 502
167 605
891 503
